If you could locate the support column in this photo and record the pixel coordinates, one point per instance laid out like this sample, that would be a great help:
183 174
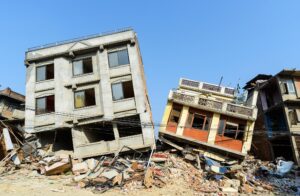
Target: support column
166 116
248 134
105 86
182 120
213 128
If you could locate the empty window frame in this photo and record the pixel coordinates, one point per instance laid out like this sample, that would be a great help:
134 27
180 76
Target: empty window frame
231 129
118 58
175 113
200 121
83 66
122 90
129 126
45 72
84 98
287 86
45 105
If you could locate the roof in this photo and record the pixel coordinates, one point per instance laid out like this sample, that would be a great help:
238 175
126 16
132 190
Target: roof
252 82
289 72
79 39
12 94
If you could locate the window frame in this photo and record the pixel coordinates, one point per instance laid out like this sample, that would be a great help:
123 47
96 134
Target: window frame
45 66
204 122
123 94
44 97
117 51
81 59
237 131
170 116
84 91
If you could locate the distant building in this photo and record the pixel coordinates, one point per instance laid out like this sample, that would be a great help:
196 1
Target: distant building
12 105
278 123
210 118
89 93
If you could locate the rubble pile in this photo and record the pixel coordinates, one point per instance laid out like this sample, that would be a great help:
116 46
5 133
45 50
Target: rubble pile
134 171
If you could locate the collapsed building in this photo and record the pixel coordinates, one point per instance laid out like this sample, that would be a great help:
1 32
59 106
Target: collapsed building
12 107
209 117
89 95
277 129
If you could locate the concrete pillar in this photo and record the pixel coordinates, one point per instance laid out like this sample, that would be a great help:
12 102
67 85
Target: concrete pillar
182 120
105 85
140 96
295 151
116 132
248 134
63 75
213 128
30 99
166 116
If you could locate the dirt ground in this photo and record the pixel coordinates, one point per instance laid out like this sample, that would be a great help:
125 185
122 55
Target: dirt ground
29 183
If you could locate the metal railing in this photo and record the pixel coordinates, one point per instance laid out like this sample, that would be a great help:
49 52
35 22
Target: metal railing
79 39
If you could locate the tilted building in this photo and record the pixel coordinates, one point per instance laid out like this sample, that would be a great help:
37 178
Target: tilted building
277 130
90 94
208 117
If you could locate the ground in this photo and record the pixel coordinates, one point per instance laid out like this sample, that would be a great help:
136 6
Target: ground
27 183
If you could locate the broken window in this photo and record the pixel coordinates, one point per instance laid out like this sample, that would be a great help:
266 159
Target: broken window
175 113
129 126
287 86
118 58
122 90
83 66
228 128
45 72
99 132
84 98
45 105
294 116
201 122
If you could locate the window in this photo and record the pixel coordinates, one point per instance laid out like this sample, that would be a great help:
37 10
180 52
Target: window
118 58
122 90
83 66
84 98
287 87
231 129
45 105
45 72
175 113
201 122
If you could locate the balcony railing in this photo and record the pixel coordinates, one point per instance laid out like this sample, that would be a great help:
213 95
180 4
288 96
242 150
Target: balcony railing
210 103
239 109
214 105
183 97
195 85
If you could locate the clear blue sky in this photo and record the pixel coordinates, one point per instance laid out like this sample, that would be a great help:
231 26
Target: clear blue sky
201 40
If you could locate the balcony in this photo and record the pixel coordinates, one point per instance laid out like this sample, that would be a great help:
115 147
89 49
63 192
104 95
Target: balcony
221 107
202 86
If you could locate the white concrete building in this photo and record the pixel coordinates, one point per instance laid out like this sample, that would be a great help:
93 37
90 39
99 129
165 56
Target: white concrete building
90 91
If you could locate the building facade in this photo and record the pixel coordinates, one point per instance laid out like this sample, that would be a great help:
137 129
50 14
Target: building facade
91 91
278 122
206 115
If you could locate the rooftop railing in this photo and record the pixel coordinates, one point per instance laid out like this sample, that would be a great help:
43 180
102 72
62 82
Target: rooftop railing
195 85
215 105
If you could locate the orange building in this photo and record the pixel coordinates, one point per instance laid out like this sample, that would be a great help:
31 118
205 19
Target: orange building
209 117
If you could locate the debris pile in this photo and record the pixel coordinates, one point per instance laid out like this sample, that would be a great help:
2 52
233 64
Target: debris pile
134 171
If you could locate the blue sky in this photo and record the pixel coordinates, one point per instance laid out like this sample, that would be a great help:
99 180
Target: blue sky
201 40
